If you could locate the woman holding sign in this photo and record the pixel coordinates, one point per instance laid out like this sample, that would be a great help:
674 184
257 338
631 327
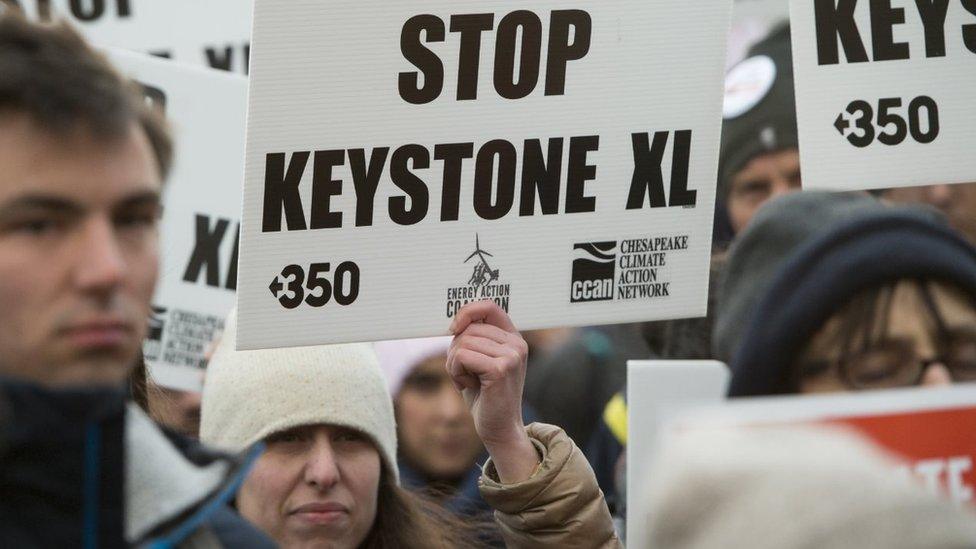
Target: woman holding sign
837 292
328 477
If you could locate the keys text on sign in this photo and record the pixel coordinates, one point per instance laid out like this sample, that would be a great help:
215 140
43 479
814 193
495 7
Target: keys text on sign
836 23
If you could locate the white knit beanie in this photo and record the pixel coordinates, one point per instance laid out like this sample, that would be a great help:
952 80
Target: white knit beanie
249 395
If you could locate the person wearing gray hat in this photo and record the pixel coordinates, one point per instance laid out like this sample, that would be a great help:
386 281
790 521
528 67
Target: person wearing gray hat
835 292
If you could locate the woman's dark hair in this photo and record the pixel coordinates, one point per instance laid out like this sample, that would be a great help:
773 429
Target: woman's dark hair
864 322
139 384
143 390
62 84
411 521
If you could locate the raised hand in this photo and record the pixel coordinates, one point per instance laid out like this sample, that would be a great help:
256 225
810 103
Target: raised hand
487 364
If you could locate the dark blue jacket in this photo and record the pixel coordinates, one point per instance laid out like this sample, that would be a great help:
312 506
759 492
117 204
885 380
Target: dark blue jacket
66 458
465 500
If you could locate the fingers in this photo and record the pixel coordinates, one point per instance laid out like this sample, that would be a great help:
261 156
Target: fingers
494 343
461 377
482 311
473 360
486 331
487 347
484 360
483 345
472 364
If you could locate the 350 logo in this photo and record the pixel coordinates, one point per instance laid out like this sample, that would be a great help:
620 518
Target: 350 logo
861 127
292 288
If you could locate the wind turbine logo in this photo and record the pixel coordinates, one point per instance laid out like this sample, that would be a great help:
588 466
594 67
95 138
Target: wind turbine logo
483 273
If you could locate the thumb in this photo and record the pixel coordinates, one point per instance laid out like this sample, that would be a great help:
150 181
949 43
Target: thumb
469 396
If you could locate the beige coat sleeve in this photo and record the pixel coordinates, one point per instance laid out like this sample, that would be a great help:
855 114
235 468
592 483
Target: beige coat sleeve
559 506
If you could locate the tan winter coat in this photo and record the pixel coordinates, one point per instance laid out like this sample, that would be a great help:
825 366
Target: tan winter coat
559 506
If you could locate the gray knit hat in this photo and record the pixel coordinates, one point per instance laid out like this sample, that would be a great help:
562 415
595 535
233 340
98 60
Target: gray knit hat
249 395
763 247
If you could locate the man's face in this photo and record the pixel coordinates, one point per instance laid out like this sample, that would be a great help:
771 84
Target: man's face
763 178
78 252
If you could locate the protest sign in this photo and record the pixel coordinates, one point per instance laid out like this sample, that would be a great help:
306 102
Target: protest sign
201 211
657 391
932 430
212 33
884 92
404 161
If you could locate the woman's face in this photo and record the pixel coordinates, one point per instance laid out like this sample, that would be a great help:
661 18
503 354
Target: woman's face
909 351
436 430
314 486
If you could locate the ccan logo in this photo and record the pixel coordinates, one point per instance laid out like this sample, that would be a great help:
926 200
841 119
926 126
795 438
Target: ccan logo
594 269
157 322
152 345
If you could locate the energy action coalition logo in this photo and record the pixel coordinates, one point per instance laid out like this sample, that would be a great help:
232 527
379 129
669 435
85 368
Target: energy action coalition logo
483 273
484 283
594 270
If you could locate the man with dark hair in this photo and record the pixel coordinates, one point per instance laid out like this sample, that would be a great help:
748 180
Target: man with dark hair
82 164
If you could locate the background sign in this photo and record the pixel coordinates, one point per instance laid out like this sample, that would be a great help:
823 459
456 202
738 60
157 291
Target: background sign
932 430
201 211
884 92
212 33
657 391
403 161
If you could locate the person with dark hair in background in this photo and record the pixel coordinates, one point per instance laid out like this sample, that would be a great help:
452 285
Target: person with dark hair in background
438 447
82 164
837 292
176 411
759 157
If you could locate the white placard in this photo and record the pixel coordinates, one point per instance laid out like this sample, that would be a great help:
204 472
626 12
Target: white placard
826 407
211 33
884 92
347 97
658 391
201 212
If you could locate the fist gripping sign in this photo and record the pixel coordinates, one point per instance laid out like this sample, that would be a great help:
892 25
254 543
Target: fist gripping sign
487 364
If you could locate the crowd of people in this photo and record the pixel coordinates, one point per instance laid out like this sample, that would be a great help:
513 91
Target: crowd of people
486 438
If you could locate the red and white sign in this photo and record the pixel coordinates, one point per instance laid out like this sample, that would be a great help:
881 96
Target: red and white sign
932 430
938 445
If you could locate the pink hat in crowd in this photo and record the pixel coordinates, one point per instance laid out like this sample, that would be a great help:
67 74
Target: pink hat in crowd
398 358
